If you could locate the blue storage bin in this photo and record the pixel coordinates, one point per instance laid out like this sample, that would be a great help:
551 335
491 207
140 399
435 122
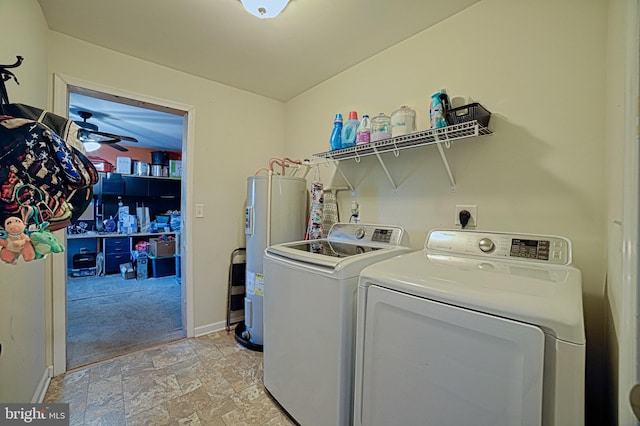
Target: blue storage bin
162 266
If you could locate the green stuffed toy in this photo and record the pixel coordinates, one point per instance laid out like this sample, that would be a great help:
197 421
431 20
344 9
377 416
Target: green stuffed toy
44 242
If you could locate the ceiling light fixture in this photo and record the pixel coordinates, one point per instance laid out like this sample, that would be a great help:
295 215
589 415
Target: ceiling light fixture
91 146
264 8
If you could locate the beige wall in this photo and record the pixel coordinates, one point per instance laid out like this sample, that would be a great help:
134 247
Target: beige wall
540 68
236 133
22 286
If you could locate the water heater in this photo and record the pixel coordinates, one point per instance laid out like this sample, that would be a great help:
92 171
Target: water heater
276 213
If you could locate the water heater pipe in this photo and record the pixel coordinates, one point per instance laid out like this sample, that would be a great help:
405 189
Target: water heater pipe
269 186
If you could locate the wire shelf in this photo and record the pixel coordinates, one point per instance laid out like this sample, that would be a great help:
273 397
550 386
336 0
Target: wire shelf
425 137
469 129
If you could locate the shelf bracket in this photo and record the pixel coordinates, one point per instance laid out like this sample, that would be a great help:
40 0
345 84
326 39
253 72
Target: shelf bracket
384 167
446 166
337 164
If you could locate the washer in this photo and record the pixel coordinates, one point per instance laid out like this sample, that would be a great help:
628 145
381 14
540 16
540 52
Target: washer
310 292
478 328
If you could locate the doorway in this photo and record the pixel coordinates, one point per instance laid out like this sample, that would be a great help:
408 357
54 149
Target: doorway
110 312
64 88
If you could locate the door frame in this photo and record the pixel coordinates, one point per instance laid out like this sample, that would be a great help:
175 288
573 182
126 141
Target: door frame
628 355
57 337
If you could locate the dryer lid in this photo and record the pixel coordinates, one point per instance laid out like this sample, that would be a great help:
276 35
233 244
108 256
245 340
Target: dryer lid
547 296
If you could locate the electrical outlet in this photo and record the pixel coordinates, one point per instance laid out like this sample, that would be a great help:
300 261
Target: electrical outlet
355 212
473 209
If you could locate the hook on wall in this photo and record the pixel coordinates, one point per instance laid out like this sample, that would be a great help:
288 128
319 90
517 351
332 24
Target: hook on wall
5 75
16 64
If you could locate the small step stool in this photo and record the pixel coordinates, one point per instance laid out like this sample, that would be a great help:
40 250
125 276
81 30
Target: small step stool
236 290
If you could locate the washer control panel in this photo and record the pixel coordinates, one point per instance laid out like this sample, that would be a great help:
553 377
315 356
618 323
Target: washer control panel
528 247
359 233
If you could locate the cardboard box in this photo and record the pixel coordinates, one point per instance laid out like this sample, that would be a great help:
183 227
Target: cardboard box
175 168
160 248
127 272
123 165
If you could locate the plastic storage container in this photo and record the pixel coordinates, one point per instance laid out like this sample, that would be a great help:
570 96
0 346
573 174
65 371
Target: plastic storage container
403 121
380 127
470 112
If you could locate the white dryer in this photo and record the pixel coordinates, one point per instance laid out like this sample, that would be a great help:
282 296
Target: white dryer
477 329
310 292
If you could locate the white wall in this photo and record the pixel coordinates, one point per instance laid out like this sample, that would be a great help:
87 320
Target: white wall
236 133
622 56
22 286
539 66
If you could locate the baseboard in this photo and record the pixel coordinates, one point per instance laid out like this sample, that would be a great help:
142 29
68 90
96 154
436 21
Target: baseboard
43 385
210 328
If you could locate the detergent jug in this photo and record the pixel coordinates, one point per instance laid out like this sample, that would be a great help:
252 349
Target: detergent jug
438 109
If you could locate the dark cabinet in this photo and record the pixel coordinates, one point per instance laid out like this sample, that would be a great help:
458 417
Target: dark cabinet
136 187
117 251
113 185
169 188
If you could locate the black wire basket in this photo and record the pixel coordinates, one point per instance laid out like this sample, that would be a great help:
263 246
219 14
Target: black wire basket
469 112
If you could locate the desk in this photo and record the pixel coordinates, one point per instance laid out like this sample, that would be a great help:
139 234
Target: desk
116 247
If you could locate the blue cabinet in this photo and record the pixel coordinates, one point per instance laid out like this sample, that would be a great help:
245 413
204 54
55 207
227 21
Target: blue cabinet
117 250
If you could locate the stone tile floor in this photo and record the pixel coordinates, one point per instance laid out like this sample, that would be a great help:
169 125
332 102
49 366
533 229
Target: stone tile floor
208 380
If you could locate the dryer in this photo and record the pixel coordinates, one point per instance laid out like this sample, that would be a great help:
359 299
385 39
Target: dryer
310 292
479 328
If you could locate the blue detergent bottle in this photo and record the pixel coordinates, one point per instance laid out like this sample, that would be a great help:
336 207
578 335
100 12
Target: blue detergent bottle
438 108
335 141
350 130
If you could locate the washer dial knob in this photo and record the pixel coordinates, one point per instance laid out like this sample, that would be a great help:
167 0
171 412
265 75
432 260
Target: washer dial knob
486 245
359 233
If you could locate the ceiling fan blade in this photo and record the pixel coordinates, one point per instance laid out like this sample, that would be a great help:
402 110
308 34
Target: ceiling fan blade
118 147
111 135
90 136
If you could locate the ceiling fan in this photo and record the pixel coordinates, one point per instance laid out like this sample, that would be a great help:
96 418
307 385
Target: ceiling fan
92 138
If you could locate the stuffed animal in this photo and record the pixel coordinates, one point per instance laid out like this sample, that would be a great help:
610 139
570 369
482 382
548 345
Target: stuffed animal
44 242
15 242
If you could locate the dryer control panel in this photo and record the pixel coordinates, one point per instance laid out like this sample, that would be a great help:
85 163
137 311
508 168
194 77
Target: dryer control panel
546 249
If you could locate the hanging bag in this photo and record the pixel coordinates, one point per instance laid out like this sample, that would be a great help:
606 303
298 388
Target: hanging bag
33 156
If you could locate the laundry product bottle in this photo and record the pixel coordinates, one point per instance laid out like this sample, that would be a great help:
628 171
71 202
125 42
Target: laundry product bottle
120 210
335 141
350 130
364 131
438 109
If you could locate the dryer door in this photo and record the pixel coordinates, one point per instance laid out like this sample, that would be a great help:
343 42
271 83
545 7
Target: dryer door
428 363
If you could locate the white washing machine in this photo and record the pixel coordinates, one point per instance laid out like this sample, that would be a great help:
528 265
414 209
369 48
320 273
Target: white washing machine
477 329
309 318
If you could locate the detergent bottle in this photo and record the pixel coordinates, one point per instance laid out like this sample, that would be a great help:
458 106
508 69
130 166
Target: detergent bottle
438 109
335 141
350 130
364 131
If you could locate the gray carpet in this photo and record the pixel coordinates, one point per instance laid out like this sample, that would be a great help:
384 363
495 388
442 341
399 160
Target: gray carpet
109 316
